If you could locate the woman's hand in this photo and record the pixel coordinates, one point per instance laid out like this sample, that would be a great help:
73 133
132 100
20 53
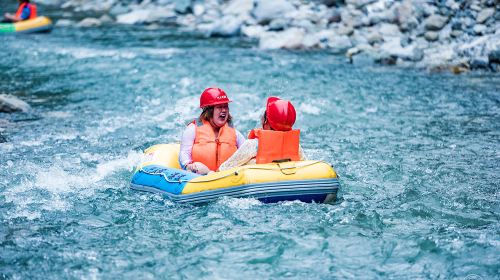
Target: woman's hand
198 167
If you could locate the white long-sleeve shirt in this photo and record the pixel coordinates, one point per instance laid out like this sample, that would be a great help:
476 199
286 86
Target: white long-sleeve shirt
187 141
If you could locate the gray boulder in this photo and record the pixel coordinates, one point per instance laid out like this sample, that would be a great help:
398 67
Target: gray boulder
266 11
431 36
9 104
183 6
89 22
484 14
479 29
435 22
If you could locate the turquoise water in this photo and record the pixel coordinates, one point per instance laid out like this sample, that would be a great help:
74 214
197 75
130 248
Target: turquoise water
417 154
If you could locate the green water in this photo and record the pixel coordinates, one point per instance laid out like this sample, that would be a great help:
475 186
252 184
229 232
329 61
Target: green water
417 154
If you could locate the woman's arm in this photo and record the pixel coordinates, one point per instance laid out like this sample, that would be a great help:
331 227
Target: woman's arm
187 141
244 154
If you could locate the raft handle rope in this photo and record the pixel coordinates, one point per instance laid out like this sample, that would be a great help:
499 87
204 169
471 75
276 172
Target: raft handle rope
236 173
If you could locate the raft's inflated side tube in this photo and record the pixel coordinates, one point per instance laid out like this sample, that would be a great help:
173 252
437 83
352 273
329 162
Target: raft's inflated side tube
38 24
308 181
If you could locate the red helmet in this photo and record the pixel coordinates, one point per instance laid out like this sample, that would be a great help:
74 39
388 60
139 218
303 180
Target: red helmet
280 113
213 96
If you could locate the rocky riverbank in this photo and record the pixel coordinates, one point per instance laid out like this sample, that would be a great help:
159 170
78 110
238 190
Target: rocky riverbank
454 35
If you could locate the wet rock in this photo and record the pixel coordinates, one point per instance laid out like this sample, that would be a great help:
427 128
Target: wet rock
479 63
394 49
137 16
405 15
89 22
253 31
335 17
345 30
389 30
362 59
266 11
452 5
374 38
279 24
119 9
227 26
387 60
479 29
290 39
339 44
9 104
435 22
456 33
148 15
239 7
182 6
484 14
431 36
198 9
304 23
105 19
359 3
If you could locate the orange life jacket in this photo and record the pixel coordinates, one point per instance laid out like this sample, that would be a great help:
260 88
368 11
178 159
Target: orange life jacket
32 8
276 145
210 150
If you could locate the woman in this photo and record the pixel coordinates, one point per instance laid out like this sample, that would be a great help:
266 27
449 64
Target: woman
26 10
211 139
275 142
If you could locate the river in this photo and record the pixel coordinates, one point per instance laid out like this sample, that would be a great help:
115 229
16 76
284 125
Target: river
417 154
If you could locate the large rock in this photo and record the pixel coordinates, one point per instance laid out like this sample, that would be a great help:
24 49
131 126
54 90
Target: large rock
479 29
148 15
431 36
388 30
288 39
137 16
238 7
9 104
484 14
229 25
182 6
89 22
266 10
339 44
253 31
359 3
393 48
435 22
119 9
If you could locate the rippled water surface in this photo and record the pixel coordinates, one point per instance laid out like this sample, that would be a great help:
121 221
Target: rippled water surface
418 157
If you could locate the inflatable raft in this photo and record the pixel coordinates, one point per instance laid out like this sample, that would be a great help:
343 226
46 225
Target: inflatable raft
39 24
307 181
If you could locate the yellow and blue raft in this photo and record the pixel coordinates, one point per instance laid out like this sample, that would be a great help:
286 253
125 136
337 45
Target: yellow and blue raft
307 181
38 24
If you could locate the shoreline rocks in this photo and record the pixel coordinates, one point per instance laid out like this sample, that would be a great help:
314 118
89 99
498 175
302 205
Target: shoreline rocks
10 104
437 35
